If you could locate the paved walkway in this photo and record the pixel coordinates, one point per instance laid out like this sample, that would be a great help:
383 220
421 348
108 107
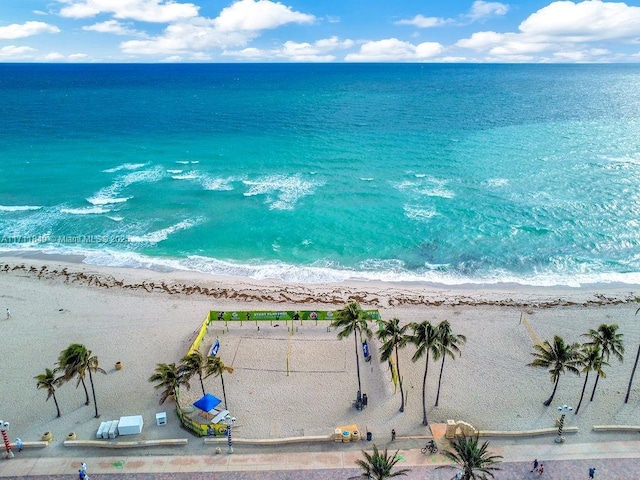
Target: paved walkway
613 460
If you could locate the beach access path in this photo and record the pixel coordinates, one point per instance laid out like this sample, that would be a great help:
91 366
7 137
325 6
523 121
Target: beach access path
612 460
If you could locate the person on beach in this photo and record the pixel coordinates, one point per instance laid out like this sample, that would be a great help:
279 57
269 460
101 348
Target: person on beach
592 472
19 444
393 434
541 469
9 317
535 465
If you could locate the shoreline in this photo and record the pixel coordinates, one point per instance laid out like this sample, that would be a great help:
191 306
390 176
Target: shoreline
71 270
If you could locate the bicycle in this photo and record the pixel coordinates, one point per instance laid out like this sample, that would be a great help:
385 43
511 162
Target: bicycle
430 447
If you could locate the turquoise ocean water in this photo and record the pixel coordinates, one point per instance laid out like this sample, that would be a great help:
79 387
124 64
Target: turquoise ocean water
313 173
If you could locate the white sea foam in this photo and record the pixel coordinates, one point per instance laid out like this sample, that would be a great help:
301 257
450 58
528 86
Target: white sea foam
162 234
95 210
126 166
497 182
416 212
281 191
106 200
366 179
186 175
187 162
217 184
18 208
429 186
112 193
174 171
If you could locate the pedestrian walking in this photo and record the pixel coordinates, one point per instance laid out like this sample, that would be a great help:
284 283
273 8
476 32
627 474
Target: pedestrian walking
592 472
393 434
9 317
541 469
19 444
535 465
81 475
83 467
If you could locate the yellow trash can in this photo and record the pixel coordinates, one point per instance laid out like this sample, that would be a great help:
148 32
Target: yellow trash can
355 436
346 436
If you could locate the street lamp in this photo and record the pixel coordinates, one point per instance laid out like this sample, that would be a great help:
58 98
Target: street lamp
563 411
4 426
229 421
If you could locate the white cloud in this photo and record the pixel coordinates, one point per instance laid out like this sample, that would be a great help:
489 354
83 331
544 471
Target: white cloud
481 40
319 51
186 38
557 28
113 26
15 52
159 11
421 21
392 49
26 29
78 57
481 9
236 26
478 11
584 21
252 15
54 56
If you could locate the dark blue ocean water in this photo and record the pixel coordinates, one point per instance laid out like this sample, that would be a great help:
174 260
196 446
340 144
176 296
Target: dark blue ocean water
312 173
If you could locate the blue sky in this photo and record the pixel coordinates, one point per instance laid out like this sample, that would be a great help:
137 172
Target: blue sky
319 31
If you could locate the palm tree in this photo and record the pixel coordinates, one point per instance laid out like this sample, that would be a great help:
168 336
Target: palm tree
48 381
93 366
393 337
193 363
447 345
610 343
635 365
353 320
379 466
590 359
424 338
168 377
558 358
216 367
73 363
473 460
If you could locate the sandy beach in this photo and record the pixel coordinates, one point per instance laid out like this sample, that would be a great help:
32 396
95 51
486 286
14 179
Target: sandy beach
142 317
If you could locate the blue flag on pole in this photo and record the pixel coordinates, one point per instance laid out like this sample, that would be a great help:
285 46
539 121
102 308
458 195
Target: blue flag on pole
365 350
214 348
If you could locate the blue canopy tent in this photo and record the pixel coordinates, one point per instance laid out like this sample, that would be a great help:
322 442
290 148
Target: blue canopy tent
207 403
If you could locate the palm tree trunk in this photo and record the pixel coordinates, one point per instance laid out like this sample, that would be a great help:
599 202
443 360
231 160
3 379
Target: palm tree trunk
425 422
355 339
633 372
593 392
400 380
440 380
224 393
584 386
86 393
55 400
548 401
201 383
93 391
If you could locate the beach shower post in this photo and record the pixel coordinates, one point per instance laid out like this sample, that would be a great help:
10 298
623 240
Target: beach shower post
4 426
229 421
563 411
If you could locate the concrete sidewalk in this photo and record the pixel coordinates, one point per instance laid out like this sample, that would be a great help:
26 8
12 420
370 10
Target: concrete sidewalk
565 461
